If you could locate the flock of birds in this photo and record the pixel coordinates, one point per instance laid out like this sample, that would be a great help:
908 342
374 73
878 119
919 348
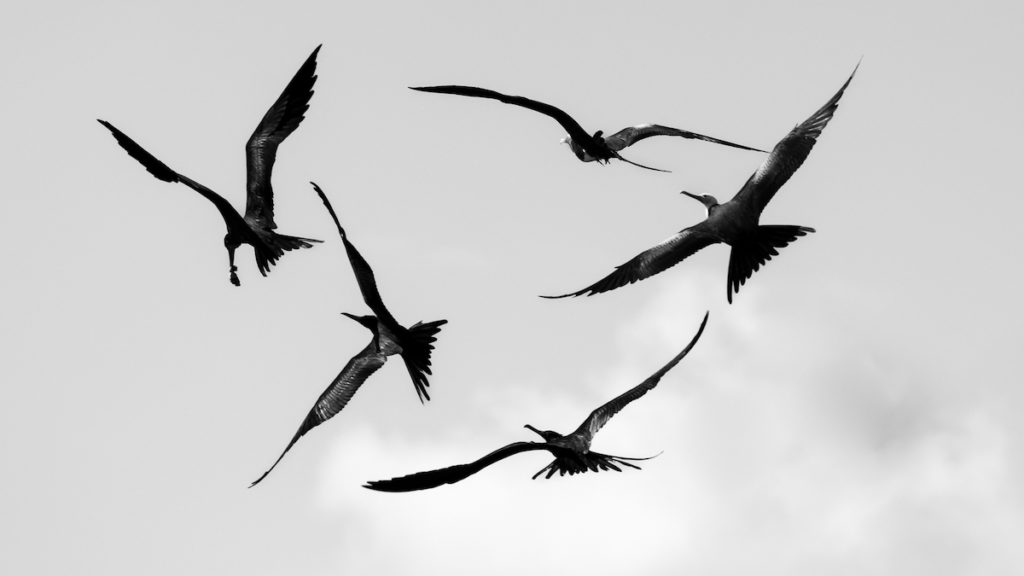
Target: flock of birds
735 223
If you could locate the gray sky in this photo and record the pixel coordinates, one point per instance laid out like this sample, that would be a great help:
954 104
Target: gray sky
856 411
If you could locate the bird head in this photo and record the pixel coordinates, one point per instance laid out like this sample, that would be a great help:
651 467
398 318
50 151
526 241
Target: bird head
369 321
707 200
547 435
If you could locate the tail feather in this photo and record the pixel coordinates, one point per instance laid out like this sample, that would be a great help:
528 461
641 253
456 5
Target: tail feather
272 249
748 256
417 344
591 461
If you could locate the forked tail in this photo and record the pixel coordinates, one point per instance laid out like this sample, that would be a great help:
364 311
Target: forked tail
640 165
752 253
275 247
591 461
417 343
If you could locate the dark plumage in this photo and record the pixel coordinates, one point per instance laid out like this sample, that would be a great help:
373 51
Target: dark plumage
736 222
256 228
586 147
389 337
572 451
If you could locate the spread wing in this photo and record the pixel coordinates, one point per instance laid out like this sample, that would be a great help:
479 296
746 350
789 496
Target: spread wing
361 268
453 474
576 132
665 255
260 151
629 136
157 168
599 417
788 155
337 395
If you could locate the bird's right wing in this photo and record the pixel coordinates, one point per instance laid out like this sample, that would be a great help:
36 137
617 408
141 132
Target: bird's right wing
162 172
665 255
576 132
337 395
599 417
364 274
629 136
788 155
452 474
283 117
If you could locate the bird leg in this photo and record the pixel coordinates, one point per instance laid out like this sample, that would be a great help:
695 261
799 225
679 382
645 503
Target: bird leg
233 269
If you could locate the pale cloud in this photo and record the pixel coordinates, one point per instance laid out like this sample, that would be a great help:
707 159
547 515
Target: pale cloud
779 462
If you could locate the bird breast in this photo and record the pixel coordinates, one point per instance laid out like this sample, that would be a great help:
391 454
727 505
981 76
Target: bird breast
731 221
573 442
387 341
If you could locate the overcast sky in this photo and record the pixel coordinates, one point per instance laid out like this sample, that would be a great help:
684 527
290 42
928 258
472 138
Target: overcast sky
855 411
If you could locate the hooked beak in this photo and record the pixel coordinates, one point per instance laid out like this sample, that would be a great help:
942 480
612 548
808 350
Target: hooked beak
694 196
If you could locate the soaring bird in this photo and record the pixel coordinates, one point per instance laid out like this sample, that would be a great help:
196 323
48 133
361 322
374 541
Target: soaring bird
389 337
256 228
572 451
736 222
586 147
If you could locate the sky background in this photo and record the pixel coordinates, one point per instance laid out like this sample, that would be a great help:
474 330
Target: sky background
856 411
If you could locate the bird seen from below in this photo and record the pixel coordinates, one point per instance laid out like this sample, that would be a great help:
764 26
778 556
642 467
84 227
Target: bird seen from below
586 147
256 228
736 222
414 344
572 451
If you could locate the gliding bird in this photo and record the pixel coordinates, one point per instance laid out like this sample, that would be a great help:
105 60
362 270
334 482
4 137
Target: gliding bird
586 147
389 337
256 228
736 222
572 451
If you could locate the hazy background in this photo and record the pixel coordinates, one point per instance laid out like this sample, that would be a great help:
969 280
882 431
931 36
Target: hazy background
856 411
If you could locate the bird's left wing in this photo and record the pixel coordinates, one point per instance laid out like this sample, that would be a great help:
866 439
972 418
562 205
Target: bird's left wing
599 417
261 150
452 474
788 155
337 395
364 274
670 252
576 132
629 136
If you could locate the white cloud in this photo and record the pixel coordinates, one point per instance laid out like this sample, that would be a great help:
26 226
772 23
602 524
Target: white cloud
797 457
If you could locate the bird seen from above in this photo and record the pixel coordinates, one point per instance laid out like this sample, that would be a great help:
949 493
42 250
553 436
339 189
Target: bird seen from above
735 222
586 147
389 337
256 228
572 451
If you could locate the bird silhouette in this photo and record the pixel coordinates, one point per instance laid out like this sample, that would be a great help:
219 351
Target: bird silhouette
572 451
736 222
256 228
414 344
586 147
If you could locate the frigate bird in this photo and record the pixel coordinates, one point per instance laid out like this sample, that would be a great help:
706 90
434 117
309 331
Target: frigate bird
586 147
256 228
736 222
414 344
572 451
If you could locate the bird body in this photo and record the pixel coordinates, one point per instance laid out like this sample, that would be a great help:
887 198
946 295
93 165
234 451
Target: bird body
571 451
586 147
736 222
256 227
414 344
